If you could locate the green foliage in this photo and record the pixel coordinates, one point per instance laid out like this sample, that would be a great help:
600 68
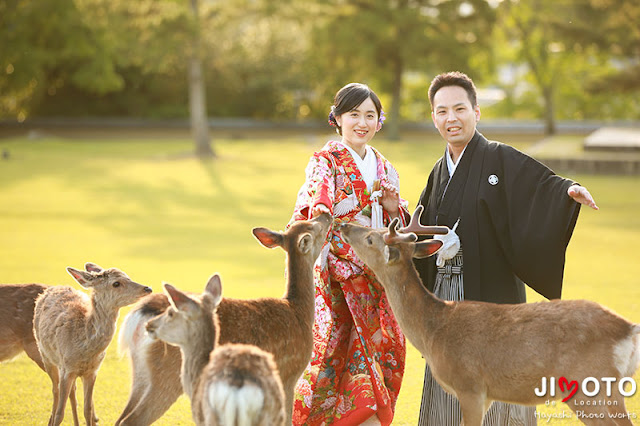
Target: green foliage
567 59
379 42
160 214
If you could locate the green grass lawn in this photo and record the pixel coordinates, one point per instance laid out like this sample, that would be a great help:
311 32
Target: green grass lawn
150 209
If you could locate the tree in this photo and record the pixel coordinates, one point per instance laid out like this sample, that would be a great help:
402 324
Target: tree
380 41
611 27
529 28
197 91
45 46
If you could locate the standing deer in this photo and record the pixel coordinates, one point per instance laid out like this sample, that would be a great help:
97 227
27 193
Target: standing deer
232 385
280 326
17 302
73 331
484 352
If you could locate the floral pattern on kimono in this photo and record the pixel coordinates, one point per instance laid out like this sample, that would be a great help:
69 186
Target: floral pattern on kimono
359 350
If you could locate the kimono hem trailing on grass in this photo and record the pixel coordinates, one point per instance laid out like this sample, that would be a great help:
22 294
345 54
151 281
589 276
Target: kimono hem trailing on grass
359 351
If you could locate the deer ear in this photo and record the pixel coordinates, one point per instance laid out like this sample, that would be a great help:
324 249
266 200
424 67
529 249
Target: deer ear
426 248
391 254
268 238
178 299
92 267
213 290
83 278
305 243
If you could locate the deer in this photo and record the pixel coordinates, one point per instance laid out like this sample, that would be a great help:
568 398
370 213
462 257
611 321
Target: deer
73 331
227 385
17 302
280 326
483 352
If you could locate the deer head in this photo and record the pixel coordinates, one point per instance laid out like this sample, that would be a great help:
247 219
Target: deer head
386 251
111 285
304 237
187 317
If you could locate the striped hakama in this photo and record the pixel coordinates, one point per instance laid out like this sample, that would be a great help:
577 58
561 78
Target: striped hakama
439 408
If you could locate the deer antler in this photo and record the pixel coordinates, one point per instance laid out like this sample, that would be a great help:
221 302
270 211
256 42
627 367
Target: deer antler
392 236
419 229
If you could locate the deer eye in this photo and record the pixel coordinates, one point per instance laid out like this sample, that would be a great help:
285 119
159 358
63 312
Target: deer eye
170 313
116 284
369 240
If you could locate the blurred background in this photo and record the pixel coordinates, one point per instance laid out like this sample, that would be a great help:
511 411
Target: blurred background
541 62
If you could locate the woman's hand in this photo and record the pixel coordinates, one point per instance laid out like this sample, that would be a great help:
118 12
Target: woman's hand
318 210
390 200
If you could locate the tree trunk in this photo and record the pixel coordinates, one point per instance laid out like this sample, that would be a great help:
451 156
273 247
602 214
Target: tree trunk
393 126
197 94
549 120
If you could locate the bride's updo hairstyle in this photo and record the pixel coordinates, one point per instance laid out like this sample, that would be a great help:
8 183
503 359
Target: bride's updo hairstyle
349 98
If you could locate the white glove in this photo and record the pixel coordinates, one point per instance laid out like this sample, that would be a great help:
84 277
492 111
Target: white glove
450 245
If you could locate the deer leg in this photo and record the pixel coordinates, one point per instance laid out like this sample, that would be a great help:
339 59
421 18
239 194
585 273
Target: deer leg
31 349
473 409
618 411
289 391
150 399
89 412
66 382
138 389
52 371
74 404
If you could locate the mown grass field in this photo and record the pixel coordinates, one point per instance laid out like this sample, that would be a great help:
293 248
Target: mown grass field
149 208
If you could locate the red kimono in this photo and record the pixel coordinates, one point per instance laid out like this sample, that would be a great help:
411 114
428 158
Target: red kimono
359 351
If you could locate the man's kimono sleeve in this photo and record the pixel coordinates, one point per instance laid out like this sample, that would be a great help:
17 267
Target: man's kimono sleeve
534 222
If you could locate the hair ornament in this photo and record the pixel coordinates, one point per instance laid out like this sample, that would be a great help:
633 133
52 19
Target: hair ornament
332 118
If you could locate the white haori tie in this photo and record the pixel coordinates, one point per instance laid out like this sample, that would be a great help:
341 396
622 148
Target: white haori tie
377 216
450 245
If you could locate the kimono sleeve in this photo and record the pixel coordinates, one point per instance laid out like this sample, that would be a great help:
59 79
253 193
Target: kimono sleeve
535 222
318 188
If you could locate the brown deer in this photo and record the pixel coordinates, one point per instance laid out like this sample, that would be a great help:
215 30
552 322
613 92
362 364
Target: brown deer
280 326
483 352
230 385
17 303
73 331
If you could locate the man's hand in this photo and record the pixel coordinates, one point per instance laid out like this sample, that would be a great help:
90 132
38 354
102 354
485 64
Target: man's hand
582 196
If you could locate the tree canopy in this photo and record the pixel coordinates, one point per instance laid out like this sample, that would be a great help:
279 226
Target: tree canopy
568 59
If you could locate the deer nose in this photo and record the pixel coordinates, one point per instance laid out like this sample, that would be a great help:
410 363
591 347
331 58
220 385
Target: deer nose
148 289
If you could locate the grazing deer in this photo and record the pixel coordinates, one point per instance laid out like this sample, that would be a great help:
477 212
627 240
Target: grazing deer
280 326
483 352
73 331
231 385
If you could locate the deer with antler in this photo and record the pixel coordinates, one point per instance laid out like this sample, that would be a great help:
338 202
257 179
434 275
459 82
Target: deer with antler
483 352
